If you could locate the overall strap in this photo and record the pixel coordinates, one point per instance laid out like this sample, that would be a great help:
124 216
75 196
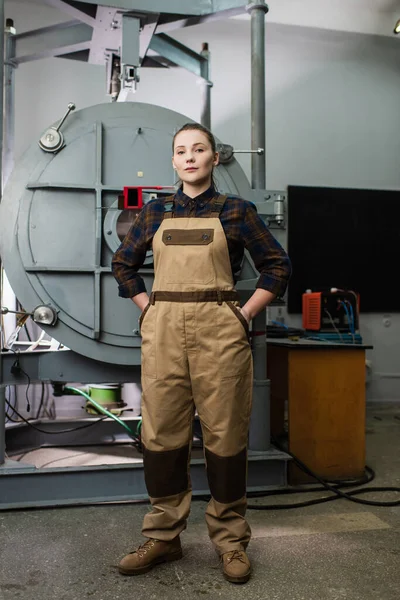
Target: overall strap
169 207
217 206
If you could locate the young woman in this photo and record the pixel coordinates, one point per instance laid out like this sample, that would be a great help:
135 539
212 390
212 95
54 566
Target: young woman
196 351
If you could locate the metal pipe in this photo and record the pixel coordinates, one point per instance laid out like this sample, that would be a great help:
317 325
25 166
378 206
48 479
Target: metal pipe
2 388
206 85
259 435
8 145
257 10
9 102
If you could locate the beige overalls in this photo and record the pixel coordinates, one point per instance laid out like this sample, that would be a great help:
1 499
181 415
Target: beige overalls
195 353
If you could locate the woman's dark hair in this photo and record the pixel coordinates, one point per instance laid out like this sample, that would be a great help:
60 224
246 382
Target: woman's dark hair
210 137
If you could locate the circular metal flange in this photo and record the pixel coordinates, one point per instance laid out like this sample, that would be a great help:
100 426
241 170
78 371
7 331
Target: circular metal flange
257 4
52 140
45 315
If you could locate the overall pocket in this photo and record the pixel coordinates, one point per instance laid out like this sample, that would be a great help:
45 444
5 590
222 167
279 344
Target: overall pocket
142 316
147 325
240 317
189 256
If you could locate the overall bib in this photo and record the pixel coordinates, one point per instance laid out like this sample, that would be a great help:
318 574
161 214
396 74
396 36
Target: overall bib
195 354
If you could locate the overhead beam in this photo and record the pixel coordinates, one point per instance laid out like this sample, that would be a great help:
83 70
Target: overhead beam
55 40
53 53
189 7
177 53
97 35
156 62
79 55
72 11
147 34
218 5
199 20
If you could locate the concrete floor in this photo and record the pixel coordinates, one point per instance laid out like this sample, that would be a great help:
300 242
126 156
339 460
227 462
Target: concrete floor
333 551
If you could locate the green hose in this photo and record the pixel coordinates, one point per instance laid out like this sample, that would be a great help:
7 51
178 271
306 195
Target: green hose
101 409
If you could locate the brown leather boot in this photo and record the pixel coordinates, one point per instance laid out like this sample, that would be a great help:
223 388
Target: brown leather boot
237 567
148 555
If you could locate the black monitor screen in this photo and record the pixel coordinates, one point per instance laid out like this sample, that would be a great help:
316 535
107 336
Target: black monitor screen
345 238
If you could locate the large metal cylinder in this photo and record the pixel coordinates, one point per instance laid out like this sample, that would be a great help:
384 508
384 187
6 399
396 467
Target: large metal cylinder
60 222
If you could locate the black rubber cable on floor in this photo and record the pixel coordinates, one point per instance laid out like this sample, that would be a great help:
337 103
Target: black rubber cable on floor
369 475
331 486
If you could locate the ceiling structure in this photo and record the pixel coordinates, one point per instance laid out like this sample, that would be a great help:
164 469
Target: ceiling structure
362 16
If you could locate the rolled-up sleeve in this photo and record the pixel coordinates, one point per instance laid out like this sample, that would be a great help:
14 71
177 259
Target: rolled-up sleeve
269 258
129 258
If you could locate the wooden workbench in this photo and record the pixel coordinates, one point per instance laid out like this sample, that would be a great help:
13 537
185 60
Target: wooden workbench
322 385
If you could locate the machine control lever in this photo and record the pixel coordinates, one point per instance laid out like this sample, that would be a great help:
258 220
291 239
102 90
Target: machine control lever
53 140
43 313
259 151
71 106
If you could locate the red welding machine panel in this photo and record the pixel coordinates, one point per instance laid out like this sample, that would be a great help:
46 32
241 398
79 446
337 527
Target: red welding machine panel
330 310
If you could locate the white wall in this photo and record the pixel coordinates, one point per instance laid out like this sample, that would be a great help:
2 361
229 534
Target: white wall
332 114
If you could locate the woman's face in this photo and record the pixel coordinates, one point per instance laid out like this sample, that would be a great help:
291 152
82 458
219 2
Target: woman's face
193 157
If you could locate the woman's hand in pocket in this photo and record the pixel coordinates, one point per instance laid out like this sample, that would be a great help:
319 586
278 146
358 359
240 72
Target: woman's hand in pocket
245 314
141 300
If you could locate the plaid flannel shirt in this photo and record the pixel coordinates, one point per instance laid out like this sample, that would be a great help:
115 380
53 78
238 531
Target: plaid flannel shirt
243 228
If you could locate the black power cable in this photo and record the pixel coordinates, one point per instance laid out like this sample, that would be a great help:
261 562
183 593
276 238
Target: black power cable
136 441
15 370
41 402
53 432
334 487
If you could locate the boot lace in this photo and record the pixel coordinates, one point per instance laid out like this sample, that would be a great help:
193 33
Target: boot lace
236 555
142 550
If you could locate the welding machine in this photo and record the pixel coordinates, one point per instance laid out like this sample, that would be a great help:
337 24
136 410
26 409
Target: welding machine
332 314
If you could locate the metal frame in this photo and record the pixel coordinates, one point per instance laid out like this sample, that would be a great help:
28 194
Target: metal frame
84 39
64 366
76 35
66 486
54 40
2 388
267 467
164 45
63 486
75 13
188 7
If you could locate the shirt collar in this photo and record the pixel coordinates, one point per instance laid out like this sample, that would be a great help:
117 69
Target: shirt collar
201 199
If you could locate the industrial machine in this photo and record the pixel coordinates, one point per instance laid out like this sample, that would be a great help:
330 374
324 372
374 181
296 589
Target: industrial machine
67 205
332 314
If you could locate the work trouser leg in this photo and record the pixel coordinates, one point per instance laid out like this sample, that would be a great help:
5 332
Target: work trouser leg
222 379
167 418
